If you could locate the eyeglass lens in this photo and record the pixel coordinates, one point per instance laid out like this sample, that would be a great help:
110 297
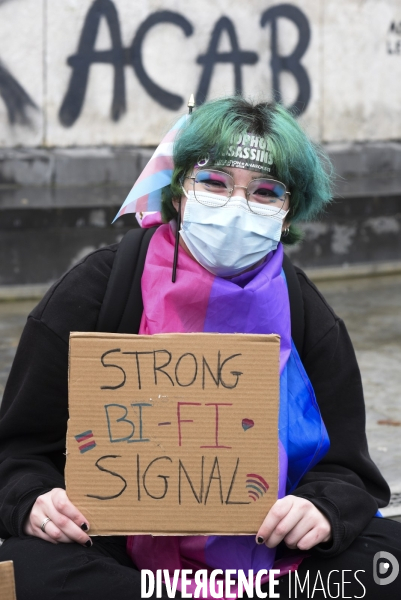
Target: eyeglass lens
260 191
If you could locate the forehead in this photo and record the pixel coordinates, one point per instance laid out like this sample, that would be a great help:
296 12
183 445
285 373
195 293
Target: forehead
238 174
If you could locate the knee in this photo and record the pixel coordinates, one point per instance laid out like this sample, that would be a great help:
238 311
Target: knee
40 567
384 533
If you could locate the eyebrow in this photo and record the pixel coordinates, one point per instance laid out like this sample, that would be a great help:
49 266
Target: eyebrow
227 170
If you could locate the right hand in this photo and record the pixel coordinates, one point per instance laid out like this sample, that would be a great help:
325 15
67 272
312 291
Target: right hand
66 520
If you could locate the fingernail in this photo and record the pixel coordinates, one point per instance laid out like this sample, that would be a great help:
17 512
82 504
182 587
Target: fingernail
259 540
88 544
84 527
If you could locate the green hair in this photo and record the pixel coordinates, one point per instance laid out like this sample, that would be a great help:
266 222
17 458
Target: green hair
298 162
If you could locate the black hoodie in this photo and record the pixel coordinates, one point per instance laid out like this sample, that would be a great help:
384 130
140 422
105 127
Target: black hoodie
345 486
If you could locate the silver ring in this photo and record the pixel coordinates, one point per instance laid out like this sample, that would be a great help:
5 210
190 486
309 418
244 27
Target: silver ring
45 522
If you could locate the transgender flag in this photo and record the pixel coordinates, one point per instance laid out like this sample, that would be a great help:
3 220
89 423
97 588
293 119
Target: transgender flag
145 195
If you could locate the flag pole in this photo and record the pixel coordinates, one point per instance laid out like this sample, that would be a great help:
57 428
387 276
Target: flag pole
191 105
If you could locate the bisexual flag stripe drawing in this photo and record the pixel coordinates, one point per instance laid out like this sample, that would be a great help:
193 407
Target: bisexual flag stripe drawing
86 441
256 486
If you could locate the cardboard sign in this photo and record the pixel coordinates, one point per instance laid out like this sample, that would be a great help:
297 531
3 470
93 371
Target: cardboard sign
7 583
173 433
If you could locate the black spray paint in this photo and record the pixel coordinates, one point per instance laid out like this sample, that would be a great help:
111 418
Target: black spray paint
236 57
16 99
119 57
290 63
87 56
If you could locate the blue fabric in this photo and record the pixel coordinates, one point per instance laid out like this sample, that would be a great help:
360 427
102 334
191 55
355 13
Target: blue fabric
308 440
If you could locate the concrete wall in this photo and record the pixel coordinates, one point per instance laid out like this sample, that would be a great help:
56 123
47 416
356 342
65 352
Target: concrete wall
85 72
87 87
59 205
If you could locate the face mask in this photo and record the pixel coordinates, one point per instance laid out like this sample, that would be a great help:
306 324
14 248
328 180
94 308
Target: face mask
229 239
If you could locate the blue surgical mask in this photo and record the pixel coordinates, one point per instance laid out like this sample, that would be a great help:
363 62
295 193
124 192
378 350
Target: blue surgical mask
229 239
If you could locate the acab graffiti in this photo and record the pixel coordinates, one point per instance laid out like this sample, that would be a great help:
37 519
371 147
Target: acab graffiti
119 58
18 102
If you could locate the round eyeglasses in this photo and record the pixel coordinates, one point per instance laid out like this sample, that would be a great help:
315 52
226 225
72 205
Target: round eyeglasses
259 193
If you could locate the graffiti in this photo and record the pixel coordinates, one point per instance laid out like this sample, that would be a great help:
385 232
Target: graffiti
394 38
119 57
395 27
290 63
16 99
165 98
212 57
86 56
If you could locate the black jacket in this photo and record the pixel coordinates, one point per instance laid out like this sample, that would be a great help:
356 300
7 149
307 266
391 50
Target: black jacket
346 485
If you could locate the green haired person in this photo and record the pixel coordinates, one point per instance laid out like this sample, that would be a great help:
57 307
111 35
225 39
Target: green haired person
294 158
223 192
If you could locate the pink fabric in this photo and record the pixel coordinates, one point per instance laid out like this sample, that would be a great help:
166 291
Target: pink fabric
155 552
151 219
159 163
173 314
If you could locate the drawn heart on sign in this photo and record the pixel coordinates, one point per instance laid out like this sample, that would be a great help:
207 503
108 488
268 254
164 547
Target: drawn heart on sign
247 424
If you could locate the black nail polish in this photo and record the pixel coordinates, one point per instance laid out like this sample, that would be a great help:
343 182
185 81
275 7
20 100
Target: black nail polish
259 540
84 527
88 544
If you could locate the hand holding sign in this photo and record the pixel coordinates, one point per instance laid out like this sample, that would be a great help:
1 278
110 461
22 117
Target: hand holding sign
66 523
296 521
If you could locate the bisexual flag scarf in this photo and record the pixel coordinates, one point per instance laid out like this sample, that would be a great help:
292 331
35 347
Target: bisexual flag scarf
253 302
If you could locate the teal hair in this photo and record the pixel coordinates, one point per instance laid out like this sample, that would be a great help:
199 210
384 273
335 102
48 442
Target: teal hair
299 163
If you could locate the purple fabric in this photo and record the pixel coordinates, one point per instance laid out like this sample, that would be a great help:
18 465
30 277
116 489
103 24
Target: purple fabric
254 302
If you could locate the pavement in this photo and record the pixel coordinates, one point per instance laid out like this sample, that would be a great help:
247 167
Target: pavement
371 309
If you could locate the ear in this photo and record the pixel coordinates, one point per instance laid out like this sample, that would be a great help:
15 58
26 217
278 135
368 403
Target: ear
285 229
176 204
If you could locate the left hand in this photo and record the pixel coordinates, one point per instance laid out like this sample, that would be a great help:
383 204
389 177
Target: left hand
296 521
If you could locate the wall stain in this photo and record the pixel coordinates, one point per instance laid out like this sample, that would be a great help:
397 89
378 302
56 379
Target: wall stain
342 239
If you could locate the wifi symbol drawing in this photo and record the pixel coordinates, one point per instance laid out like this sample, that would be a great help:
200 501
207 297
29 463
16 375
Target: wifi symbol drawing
256 486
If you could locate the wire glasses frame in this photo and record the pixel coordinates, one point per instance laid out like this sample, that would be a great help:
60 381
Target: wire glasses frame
259 192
